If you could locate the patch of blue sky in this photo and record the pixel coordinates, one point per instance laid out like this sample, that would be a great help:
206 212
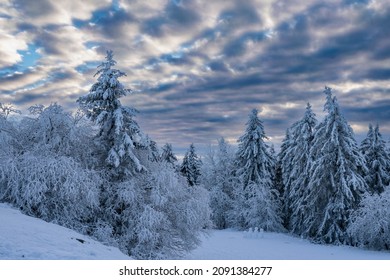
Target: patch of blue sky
98 15
91 44
87 66
30 58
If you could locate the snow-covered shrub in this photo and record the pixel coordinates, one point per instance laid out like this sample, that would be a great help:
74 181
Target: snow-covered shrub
55 189
156 216
370 224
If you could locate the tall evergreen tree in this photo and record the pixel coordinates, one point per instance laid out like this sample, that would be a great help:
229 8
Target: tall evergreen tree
283 169
191 166
299 153
373 148
256 201
335 186
119 133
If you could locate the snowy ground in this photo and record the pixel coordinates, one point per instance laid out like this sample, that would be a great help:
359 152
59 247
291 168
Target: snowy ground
230 245
24 237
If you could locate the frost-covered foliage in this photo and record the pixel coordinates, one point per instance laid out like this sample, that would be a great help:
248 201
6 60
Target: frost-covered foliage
7 109
52 131
256 201
296 159
217 177
373 148
55 189
370 224
9 141
156 216
191 166
335 183
168 156
119 133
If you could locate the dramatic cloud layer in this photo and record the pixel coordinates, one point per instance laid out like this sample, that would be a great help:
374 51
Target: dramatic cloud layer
198 67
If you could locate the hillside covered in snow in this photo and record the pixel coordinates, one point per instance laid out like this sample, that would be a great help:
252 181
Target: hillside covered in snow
24 237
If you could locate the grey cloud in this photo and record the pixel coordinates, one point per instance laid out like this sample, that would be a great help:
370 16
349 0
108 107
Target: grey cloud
34 8
243 13
178 15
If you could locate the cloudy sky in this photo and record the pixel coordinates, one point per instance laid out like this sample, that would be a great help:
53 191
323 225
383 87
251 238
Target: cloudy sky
197 67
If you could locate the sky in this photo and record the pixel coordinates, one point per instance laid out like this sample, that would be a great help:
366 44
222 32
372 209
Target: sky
198 67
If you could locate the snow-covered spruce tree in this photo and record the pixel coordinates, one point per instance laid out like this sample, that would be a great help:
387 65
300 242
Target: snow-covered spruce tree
168 156
335 186
283 168
302 133
119 133
373 148
256 201
370 223
218 179
191 166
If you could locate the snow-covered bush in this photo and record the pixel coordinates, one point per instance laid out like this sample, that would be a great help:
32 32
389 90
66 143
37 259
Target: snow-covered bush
156 216
55 189
370 224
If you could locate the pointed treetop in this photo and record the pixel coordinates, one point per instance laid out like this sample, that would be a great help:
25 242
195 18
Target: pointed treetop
329 99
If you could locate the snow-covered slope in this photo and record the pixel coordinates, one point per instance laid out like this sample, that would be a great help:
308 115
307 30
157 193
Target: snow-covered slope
230 245
24 237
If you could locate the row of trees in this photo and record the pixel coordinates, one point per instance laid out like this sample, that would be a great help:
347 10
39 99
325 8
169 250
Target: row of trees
321 186
97 172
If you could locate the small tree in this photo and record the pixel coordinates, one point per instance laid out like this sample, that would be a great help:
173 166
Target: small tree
217 177
191 166
168 155
373 148
370 225
7 109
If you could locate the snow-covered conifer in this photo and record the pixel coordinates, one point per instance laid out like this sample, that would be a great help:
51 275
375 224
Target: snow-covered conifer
256 201
302 133
191 166
373 147
335 186
119 132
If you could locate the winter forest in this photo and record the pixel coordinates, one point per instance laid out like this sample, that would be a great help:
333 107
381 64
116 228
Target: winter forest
97 172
